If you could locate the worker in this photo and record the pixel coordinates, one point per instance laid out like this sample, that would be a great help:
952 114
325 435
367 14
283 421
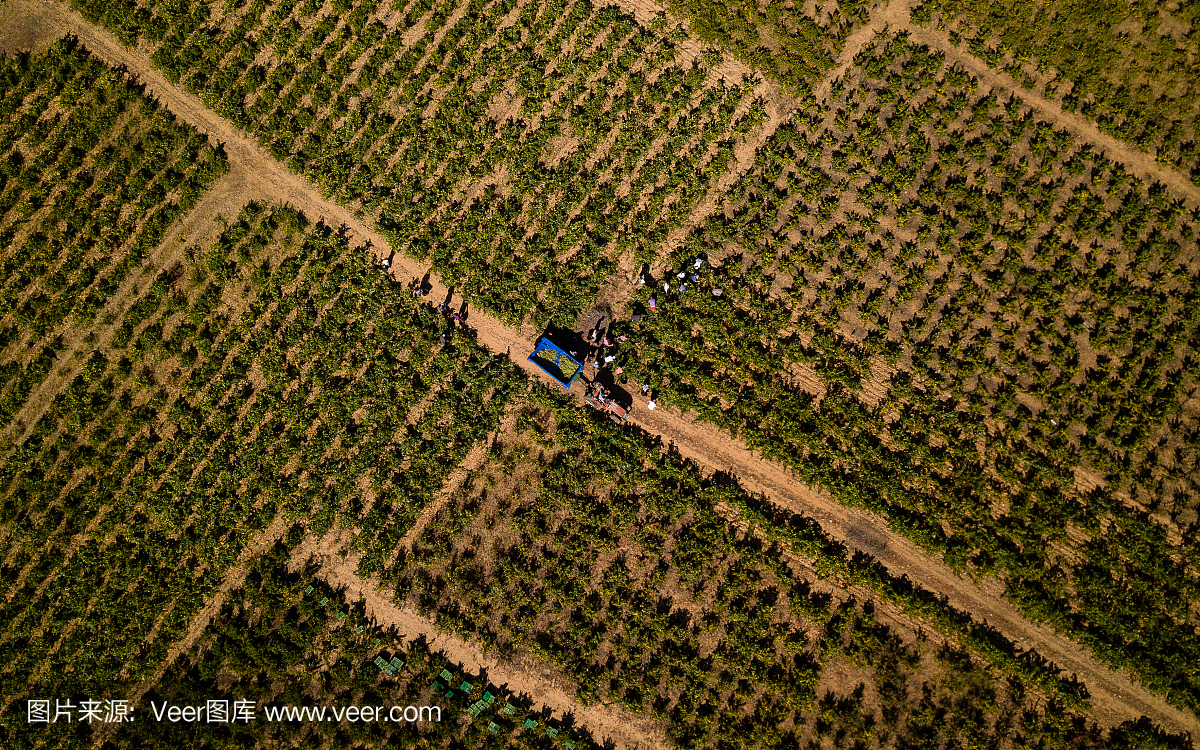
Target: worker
645 388
681 275
697 264
651 405
716 292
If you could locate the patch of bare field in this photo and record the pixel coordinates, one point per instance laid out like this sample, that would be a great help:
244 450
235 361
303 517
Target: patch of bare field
24 29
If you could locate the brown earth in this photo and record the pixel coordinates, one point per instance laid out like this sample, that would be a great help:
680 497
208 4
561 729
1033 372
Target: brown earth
23 27
1114 695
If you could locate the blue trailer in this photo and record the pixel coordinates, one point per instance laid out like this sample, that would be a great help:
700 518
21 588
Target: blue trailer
555 362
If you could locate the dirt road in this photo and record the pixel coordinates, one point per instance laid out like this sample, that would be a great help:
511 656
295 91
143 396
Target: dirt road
540 682
1115 696
1138 162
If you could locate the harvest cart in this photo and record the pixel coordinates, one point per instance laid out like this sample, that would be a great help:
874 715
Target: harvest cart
555 362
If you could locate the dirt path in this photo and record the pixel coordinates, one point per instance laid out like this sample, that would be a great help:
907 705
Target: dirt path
234 578
472 462
1114 694
199 226
780 105
1138 162
542 683
894 14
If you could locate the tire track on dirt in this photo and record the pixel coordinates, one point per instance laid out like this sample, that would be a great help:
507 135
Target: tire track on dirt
540 682
1114 695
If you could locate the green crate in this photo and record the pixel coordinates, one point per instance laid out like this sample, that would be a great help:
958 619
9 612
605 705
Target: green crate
493 727
530 724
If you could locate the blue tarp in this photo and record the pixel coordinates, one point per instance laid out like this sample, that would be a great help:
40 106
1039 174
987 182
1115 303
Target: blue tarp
557 363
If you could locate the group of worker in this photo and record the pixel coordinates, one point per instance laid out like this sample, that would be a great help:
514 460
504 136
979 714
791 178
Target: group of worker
683 278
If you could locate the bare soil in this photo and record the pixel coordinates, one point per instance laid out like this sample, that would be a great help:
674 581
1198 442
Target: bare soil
24 28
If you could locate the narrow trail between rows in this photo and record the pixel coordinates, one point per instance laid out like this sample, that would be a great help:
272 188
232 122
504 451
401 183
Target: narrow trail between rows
541 683
1115 696
884 18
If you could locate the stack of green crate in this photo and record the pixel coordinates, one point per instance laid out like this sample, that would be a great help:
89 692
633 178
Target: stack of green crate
481 705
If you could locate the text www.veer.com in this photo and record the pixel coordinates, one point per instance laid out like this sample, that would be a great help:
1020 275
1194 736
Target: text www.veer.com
352 713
